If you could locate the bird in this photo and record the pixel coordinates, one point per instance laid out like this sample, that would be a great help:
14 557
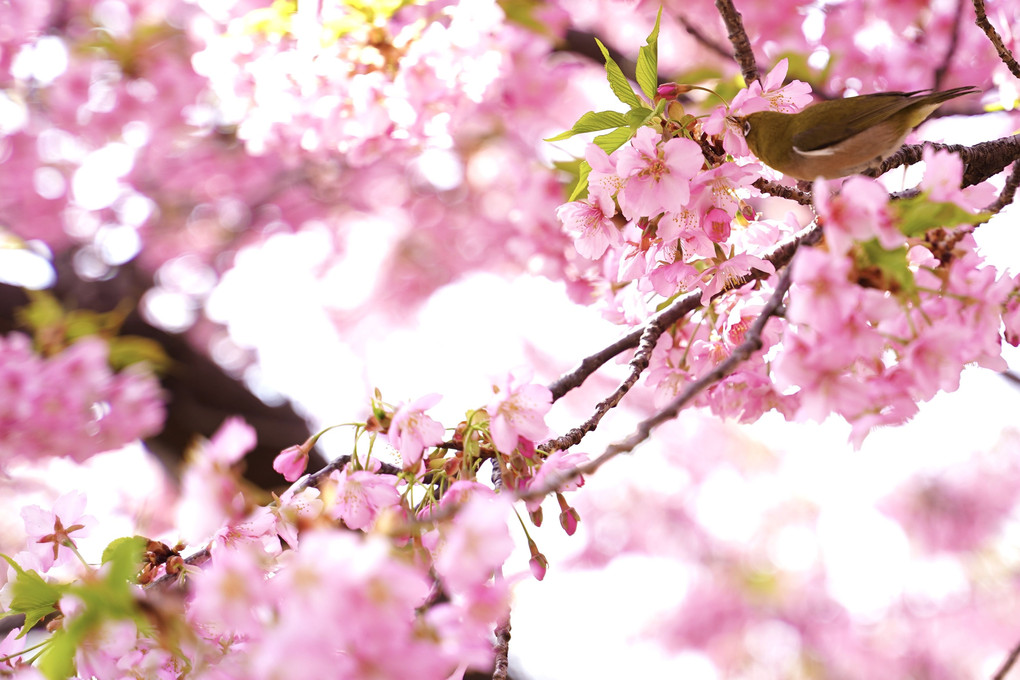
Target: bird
840 137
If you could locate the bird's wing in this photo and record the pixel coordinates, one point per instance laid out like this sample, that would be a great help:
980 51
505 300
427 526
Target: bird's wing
879 107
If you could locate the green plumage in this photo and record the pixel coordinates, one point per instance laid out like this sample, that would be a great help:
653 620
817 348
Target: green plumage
843 136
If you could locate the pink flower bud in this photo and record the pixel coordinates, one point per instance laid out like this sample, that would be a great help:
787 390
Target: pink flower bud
539 565
292 461
568 520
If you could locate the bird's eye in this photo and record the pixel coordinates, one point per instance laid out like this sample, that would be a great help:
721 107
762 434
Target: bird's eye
747 127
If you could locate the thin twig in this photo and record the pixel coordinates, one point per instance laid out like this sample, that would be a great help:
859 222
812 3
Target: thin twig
195 559
782 191
1012 377
779 257
1008 191
1004 54
742 51
1008 663
650 335
954 39
752 342
703 39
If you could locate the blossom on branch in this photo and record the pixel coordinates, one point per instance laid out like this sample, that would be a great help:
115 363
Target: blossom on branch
411 431
518 410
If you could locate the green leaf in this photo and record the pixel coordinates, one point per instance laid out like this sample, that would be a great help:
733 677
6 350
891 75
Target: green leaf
612 141
134 349
584 169
525 13
32 595
891 263
647 71
617 81
57 662
42 312
126 548
592 122
918 215
638 116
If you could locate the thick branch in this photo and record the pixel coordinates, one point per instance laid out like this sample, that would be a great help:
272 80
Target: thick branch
981 160
738 37
502 648
1004 54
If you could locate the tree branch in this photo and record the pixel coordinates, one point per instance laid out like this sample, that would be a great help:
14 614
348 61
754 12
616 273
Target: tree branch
981 160
1008 191
954 39
782 191
743 53
502 647
650 335
1008 663
1004 54
703 39
751 343
779 257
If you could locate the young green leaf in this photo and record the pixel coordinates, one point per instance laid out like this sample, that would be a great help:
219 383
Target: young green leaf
592 122
647 71
638 116
125 551
31 595
611 141
918 214
892 264
584 169
617 81
57 662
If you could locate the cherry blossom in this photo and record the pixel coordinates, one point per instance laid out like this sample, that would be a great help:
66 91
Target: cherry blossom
360 496
517 409
411 431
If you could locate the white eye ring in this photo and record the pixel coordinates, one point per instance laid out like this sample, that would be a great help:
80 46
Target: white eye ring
747 127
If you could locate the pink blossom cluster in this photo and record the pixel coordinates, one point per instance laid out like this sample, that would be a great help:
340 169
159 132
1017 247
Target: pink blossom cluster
858 45
961 508
188 131
201 128
684 227
867 341
871 348
71 404
681 225
343 606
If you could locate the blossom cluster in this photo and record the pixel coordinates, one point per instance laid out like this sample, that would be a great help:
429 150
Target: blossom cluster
71 404
424 581
870 343
173 137
175 134
879 319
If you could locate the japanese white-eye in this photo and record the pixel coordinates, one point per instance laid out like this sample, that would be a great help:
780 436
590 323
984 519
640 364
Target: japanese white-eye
840 137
